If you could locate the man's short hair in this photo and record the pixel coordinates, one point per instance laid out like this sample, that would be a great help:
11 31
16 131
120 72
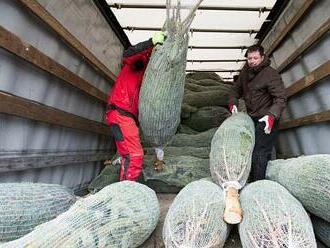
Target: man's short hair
255 48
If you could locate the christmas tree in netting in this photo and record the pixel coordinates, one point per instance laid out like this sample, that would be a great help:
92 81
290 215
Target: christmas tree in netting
26 205
307 178
121 215
230 160
273 218
195 218
163 85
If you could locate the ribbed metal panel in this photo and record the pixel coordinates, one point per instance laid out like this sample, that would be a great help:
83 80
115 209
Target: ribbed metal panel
311 139
17 77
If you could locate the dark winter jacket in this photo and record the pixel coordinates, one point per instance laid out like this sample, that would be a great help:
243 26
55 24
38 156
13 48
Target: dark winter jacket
262 89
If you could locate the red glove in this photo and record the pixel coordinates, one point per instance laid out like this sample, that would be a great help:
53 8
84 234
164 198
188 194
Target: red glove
269 120
233 108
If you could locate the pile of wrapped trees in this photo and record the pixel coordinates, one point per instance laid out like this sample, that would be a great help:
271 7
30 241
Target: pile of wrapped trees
204 108
274 211
187 152
308 179
205 101
169 97
121 215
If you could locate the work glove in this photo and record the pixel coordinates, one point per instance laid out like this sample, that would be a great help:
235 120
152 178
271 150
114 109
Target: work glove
158 38
115 161
269 121
159 165
233 108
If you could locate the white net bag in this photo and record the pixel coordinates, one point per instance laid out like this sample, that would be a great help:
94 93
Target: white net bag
195 218
163 85
230 160
26 205
121 215
307 178
273 218
231 150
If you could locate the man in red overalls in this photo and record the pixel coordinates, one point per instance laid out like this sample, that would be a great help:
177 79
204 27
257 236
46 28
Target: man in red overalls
122 109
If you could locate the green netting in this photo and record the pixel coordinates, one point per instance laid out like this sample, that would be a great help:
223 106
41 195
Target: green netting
121 215
195 87
195 218
206 118
198 152
307 178
202 139
178 171
208 98
163 85
203 75
231 150
109 175
26 205
321 229
273 218
183 129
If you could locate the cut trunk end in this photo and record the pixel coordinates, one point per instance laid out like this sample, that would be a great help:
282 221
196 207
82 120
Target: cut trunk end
233 213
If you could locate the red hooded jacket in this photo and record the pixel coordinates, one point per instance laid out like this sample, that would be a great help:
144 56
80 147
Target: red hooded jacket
125 93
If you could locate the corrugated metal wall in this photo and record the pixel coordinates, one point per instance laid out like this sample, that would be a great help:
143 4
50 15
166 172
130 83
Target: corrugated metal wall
19 136
313 138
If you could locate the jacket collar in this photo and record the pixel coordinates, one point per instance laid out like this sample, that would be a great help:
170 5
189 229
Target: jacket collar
253 71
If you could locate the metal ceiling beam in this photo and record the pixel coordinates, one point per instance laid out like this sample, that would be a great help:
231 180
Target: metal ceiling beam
195 30
213 70
215 60
159 6
218 47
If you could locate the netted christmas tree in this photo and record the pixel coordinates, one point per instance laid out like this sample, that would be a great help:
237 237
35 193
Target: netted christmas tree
230 160
163 85
26 205
273 218
195 218
322 230
307 178
121 215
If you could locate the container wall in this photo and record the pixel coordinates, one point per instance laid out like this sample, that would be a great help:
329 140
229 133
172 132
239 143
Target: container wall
20 136
311 138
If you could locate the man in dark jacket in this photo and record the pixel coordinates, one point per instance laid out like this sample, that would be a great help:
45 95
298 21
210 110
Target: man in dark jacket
263 90
122 109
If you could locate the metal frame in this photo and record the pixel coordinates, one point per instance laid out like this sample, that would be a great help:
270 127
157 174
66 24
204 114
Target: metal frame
160 6
215 70
196 30
219 47
214 60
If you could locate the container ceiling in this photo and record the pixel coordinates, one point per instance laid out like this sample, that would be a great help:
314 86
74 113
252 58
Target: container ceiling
242 22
